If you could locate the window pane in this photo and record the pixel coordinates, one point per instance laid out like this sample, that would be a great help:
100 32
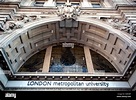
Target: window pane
39 4
96 5
60 3
75 4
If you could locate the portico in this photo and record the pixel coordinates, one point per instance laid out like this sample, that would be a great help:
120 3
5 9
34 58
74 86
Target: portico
88 40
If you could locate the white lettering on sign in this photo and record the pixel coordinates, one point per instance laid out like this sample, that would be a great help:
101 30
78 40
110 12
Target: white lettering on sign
68 45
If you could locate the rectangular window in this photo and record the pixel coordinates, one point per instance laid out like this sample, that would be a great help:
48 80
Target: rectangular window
75 4
39 4
60 3
96 5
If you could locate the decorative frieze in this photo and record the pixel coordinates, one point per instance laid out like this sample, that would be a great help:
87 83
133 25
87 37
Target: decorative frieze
122 25
68 11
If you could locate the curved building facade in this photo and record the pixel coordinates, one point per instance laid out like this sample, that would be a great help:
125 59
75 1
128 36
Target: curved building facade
68 45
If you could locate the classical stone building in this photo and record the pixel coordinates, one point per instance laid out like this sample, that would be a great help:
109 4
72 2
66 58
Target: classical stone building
68 45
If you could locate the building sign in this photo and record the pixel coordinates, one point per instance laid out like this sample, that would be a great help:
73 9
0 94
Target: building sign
68 84
68 45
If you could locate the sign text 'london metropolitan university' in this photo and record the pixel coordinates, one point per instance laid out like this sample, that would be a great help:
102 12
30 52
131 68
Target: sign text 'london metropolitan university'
67 84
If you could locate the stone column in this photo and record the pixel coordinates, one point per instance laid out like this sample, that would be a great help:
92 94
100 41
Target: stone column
47 58
88 59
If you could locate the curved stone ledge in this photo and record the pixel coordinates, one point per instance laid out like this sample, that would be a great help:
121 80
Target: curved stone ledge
17 43
27 26
114 45
107 27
